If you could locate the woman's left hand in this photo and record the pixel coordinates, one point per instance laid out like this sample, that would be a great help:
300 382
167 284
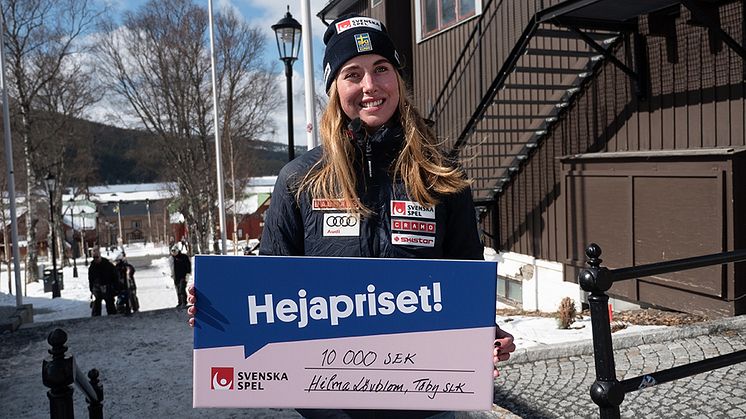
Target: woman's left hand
503 347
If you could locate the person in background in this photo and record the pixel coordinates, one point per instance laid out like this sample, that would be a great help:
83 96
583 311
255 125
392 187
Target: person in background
378 157
181 268
127 288
102 281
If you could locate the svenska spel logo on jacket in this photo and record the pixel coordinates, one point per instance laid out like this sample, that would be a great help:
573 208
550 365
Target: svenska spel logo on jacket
411 209
222 378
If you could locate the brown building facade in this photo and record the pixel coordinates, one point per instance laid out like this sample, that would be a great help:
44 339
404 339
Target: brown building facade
620 123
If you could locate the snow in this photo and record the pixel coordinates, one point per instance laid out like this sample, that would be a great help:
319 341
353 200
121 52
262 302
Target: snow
155 289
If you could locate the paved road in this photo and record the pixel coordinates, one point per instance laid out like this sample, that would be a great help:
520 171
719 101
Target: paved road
558 386
145 362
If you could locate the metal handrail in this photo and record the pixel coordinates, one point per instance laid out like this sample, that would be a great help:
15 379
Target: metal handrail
608 392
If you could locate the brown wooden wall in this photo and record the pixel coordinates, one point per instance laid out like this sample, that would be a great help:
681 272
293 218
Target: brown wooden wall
697 102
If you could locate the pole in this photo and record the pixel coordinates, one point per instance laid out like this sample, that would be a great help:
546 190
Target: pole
312 138
83 244
150 225
120 240
55 284
289 79
218 154
75 259
9 166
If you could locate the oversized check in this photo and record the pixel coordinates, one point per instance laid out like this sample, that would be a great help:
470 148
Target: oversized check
310 332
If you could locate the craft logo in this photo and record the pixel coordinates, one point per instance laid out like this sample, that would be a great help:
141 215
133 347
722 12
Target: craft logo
411 209
413 225
357 22
362 40
329 204
222 378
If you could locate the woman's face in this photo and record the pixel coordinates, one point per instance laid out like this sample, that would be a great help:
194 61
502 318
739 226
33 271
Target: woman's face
368 88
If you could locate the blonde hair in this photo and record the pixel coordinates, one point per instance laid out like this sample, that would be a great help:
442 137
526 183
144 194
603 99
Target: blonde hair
422 167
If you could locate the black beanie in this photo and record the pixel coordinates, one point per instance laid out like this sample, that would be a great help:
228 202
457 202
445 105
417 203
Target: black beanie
352 35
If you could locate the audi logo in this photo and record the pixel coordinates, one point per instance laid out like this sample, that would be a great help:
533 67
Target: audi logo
341 221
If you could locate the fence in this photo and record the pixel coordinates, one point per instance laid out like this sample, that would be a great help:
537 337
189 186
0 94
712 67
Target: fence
608 392
60 373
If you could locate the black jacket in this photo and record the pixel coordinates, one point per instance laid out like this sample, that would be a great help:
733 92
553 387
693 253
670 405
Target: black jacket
182 266
398 227
102 273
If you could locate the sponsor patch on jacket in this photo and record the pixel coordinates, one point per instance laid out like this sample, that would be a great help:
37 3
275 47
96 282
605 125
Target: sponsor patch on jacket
412 240
415 226
341 224
358 22
329 204
411 209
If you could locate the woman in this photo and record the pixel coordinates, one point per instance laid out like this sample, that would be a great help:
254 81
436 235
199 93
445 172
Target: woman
378 186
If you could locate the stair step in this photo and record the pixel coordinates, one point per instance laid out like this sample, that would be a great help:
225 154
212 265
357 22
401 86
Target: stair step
531 86
519 116
559 33
548 70
508 130
528 102
560 52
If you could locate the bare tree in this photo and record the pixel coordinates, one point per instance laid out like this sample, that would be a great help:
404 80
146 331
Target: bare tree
42 38
159 62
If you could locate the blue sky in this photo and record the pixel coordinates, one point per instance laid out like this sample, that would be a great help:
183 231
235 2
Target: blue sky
263 14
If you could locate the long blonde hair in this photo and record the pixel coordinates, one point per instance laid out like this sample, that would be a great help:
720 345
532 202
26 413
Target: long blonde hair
423 168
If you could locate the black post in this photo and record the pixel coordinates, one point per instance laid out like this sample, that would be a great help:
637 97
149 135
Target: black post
289 78
606 391
55 283
58 375
95 407
75 244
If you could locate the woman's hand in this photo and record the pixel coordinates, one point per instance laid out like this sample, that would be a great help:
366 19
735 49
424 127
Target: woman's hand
192 310
503 347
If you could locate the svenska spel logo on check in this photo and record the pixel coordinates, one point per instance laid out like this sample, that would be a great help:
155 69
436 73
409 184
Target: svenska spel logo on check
222 378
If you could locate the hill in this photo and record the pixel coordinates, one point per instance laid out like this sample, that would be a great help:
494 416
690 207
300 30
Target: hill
125 156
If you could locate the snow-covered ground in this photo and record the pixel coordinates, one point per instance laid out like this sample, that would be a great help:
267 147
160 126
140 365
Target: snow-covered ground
155 289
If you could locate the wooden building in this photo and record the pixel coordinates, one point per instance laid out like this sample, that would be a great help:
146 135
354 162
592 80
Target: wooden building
615 122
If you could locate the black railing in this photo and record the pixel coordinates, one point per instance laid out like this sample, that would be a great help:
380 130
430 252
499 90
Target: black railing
59 373
608 392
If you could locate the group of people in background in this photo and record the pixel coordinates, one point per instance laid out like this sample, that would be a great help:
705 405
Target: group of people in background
113 284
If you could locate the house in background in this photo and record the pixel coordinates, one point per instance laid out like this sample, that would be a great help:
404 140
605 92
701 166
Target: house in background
620 123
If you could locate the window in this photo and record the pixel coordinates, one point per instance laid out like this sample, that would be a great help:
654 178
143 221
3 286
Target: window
509 290
374 3
136 224
435 16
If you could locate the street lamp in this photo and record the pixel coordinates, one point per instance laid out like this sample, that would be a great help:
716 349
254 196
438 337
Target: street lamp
287 32
51 184
120 240
150 226
73 247
83 244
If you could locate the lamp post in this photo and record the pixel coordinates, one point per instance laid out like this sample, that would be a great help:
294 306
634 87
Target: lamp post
72 223
287 33
83 244
120 239
51 184
150 226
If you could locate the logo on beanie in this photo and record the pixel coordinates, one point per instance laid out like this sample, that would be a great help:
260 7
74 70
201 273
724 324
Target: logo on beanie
327 73
362 40
358 22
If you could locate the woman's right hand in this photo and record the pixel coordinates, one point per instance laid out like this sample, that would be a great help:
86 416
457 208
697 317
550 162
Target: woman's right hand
191 299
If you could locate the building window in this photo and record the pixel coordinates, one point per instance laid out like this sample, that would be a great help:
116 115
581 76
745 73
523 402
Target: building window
509 290
435 16
374 3
135 224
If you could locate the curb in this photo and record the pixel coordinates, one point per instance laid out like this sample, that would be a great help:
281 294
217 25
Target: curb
585 347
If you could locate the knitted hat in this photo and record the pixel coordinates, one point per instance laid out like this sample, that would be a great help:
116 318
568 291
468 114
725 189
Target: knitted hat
352 35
